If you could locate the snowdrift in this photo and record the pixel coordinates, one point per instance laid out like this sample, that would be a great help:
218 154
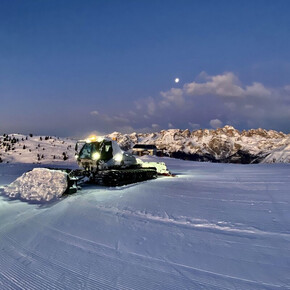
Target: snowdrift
40 184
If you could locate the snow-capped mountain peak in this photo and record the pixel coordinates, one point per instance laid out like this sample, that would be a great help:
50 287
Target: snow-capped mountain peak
225 144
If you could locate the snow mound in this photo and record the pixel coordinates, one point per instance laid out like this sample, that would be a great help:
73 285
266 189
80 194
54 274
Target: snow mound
40 184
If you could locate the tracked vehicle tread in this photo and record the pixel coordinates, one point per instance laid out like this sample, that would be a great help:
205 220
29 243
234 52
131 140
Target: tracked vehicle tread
125 176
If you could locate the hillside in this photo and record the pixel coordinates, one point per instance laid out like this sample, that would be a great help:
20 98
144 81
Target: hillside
35 149
225 145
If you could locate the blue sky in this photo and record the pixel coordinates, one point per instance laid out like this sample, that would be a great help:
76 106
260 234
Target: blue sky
72 67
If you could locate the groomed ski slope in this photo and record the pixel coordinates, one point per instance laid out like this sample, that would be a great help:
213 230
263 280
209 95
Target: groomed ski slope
215 226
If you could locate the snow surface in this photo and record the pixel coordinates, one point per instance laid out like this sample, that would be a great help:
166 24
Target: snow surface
214 226
40 184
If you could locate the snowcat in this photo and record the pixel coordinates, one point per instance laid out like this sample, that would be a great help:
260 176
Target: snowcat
103 162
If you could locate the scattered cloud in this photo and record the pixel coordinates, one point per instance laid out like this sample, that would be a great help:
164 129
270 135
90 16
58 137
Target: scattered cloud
150 106
138 105
174 96
216 123
223 96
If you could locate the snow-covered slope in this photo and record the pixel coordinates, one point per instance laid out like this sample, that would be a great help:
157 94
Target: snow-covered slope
281 154
214 226
36 149
221 145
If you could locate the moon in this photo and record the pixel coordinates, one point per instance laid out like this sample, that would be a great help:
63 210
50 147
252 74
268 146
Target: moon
177 80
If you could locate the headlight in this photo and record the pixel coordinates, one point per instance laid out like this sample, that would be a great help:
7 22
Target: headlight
96 156
118 157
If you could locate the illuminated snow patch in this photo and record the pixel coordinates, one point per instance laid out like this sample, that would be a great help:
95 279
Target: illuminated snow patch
40 184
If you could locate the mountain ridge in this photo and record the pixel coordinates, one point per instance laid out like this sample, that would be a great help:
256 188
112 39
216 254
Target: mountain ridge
225 145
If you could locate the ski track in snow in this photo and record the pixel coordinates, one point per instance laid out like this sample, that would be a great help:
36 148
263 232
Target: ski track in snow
215 226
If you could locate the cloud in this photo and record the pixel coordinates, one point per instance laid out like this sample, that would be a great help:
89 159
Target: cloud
174 96
225 85
216 123
257 90
203 76
287 88
147 105
222 85
223 96
138 105
151 106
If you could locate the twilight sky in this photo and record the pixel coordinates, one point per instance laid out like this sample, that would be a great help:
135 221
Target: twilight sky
72 67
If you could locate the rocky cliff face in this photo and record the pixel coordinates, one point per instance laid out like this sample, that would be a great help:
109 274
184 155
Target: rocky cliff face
221 145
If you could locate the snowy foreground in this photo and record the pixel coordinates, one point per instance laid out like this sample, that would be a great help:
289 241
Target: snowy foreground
215 226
